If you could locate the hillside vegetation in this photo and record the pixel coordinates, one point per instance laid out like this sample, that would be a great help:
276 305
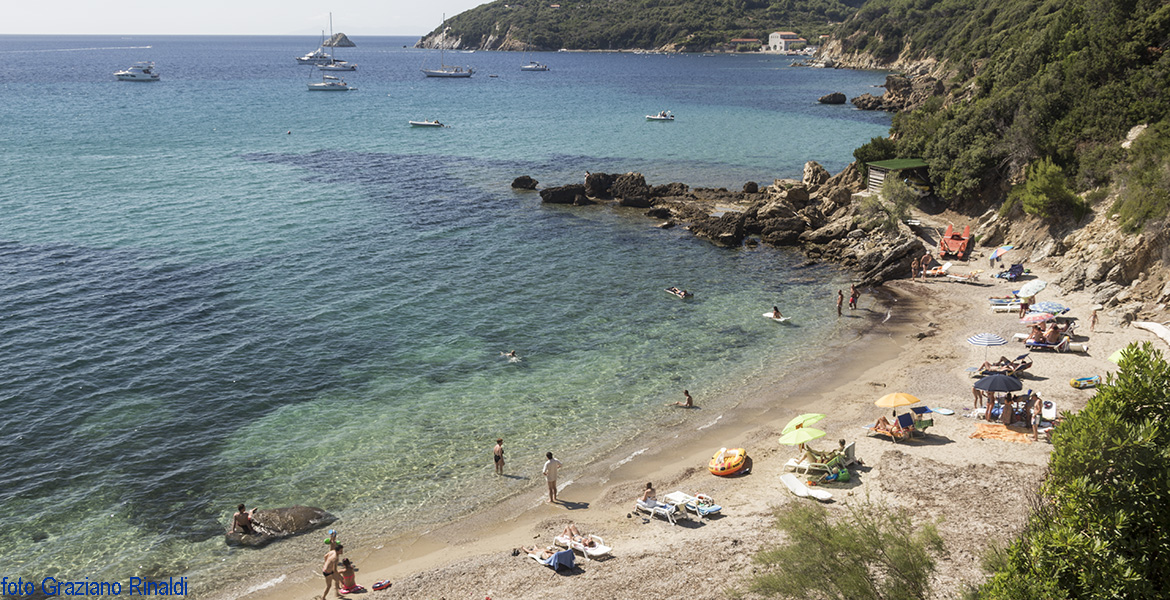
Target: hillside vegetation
1029 80
695 25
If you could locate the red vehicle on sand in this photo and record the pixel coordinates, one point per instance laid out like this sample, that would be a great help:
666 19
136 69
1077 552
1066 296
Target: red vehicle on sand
953 244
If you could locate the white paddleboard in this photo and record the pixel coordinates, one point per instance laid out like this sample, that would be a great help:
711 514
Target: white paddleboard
768 315
943 411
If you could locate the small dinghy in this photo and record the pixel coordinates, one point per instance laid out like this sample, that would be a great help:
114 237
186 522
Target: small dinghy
1085 382
661 116
432 123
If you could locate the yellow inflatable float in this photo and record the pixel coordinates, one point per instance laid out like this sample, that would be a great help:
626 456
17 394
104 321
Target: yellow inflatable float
728 461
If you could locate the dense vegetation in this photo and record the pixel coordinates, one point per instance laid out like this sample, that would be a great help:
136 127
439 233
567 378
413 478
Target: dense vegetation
1100 528
697 25
1035 79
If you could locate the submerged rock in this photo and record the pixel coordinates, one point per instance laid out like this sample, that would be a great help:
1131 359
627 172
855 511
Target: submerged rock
524 182
279 523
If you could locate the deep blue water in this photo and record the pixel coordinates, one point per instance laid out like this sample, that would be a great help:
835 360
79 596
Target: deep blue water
221 287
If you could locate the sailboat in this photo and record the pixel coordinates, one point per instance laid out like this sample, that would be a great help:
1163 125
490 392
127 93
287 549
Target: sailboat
444 69
317 57
532 65
337 41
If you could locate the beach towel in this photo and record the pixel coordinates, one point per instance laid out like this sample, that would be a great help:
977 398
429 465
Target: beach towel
996 431
562 560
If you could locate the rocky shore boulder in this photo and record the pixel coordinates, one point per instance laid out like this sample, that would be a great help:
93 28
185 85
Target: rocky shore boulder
524 182
670 189
279 523
834 98
902 94
598 185
751 187
630 185
814 174
867 102
565 194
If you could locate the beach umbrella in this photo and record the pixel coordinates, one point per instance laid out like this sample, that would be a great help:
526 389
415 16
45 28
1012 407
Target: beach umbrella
1049 306
802 421
1036 317
998 252
896 399
801 436
999 383
1032 288
986 339
1115 358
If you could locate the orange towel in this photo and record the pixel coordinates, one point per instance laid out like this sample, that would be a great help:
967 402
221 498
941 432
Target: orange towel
996 431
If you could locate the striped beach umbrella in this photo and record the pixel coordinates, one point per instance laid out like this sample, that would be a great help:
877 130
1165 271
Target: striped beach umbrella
1033 318
986 339
1001 251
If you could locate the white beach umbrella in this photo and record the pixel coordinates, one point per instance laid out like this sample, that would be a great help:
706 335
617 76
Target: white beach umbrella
1032 288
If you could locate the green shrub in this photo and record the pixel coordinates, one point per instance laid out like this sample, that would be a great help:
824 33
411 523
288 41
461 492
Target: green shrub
876 149
1045 192
1100 528
1144 179
871 552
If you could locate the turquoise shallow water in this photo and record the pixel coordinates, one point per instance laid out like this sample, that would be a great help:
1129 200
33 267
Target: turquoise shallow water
200 308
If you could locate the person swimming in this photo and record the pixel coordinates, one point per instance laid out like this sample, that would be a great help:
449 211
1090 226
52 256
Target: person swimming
776 314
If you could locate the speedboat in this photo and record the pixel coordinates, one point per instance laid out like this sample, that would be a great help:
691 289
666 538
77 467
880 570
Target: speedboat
534 66
662 116
431 123
330 83
337 65
143 71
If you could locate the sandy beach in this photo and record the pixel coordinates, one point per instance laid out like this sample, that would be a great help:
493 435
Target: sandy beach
977 489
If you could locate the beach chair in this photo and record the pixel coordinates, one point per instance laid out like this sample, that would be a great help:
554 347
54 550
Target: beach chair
938 271
1064 345
921 422
971 277
906 431
800 490
1014 368
565 559
591 547
699 504
804 466
670 512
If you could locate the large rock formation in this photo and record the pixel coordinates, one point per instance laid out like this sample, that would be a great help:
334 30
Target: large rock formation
902 94
834 98
278 523
565 194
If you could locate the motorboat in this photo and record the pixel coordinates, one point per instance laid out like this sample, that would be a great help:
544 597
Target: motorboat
661 116
534 66
320 56
337 65
431 123
329 83
448 71
143 71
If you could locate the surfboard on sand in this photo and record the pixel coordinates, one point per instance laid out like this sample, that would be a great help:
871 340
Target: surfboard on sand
768 315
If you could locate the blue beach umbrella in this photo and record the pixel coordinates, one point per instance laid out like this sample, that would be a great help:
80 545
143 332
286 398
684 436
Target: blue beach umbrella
1049 306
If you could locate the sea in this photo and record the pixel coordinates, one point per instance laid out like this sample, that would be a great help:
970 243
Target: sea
222 287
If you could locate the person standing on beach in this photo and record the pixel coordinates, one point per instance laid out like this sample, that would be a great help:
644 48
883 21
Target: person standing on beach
840 301
1093 320
329 570
914 269
853 296
550 473
498 456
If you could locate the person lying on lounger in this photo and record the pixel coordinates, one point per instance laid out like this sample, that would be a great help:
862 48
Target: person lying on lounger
1036 335
883 424
543 554
571 532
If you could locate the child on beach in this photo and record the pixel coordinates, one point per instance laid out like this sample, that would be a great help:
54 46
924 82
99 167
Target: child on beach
1093 320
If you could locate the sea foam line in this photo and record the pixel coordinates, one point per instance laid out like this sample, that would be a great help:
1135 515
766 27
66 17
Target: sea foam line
626 459
702 427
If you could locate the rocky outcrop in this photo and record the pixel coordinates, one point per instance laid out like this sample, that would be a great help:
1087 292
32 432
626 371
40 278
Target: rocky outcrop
524 182
816 214
834 98
279 523
565 194
902 94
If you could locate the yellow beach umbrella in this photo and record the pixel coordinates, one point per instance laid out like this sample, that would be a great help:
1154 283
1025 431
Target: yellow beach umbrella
801 436
895 400
802 421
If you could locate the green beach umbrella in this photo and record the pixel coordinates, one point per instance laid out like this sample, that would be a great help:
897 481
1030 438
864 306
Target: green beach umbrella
801 436
1115 358
802 421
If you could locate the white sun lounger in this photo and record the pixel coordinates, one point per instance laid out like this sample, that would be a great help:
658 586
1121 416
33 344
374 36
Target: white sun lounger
597 550
670 512
700 505
799 489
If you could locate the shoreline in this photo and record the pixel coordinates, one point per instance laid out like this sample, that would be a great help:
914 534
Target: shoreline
948 477
587 491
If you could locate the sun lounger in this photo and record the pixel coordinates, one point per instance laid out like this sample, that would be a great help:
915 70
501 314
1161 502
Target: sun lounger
838 460
921 422
701 504
1012 273
560 560
670 512
938 271
800 490
1013 368
597 550
966 278
906 431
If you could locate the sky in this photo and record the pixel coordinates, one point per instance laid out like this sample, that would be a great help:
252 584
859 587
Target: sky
228 17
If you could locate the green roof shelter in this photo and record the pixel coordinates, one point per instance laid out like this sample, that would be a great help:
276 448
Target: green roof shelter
878 170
